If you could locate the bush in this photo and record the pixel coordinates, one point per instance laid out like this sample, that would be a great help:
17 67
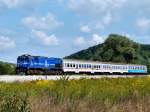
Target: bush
15 104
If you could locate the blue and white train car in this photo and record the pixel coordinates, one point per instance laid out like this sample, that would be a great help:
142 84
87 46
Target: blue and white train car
94 67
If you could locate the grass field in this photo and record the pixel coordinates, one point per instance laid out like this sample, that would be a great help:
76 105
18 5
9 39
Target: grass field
84 95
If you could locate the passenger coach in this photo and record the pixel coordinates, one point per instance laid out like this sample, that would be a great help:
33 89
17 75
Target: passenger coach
93 67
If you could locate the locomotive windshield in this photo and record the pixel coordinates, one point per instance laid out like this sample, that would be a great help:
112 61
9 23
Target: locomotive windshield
22 60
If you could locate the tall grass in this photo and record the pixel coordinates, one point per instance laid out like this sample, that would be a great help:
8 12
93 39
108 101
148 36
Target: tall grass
84 95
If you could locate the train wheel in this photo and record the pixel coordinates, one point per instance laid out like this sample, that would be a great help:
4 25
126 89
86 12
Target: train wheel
28 72
21 73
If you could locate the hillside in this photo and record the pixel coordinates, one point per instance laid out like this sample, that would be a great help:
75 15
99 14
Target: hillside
7 68
116 48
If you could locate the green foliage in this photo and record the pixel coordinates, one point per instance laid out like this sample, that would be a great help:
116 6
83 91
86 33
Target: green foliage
15 103
116 48
7 68
21 97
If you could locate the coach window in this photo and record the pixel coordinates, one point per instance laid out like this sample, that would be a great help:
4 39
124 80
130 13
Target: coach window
79 65
67 64
104 66
123 67
142 68
74 65
116 67
112 67
107 66
71 65
87 65
82 65
97 66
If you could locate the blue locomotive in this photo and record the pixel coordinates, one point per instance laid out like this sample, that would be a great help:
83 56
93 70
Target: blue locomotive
27 64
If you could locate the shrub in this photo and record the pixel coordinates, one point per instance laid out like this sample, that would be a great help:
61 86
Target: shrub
15 103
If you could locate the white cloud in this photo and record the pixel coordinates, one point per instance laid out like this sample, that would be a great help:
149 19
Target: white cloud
80 41
48 22
95 6
107 19
143 24
45 39
6 43
19 3
101 12
85 29
11 3
96 39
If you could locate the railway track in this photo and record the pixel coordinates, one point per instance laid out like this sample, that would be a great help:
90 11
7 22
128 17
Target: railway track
14 78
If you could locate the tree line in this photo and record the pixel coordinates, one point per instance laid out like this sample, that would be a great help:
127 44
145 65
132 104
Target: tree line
7 68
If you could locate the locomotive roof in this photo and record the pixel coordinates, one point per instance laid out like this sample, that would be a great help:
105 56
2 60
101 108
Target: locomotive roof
27 55
96 62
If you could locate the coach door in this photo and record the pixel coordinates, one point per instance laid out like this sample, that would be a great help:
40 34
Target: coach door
77 68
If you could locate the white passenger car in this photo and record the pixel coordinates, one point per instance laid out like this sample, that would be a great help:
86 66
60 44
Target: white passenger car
94 67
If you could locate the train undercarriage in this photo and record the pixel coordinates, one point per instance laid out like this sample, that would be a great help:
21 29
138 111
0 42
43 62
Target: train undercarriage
24 71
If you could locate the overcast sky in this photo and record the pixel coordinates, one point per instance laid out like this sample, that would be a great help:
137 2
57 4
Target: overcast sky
56 28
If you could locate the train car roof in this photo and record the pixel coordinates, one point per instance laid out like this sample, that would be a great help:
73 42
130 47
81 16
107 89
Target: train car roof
27 55
96 62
